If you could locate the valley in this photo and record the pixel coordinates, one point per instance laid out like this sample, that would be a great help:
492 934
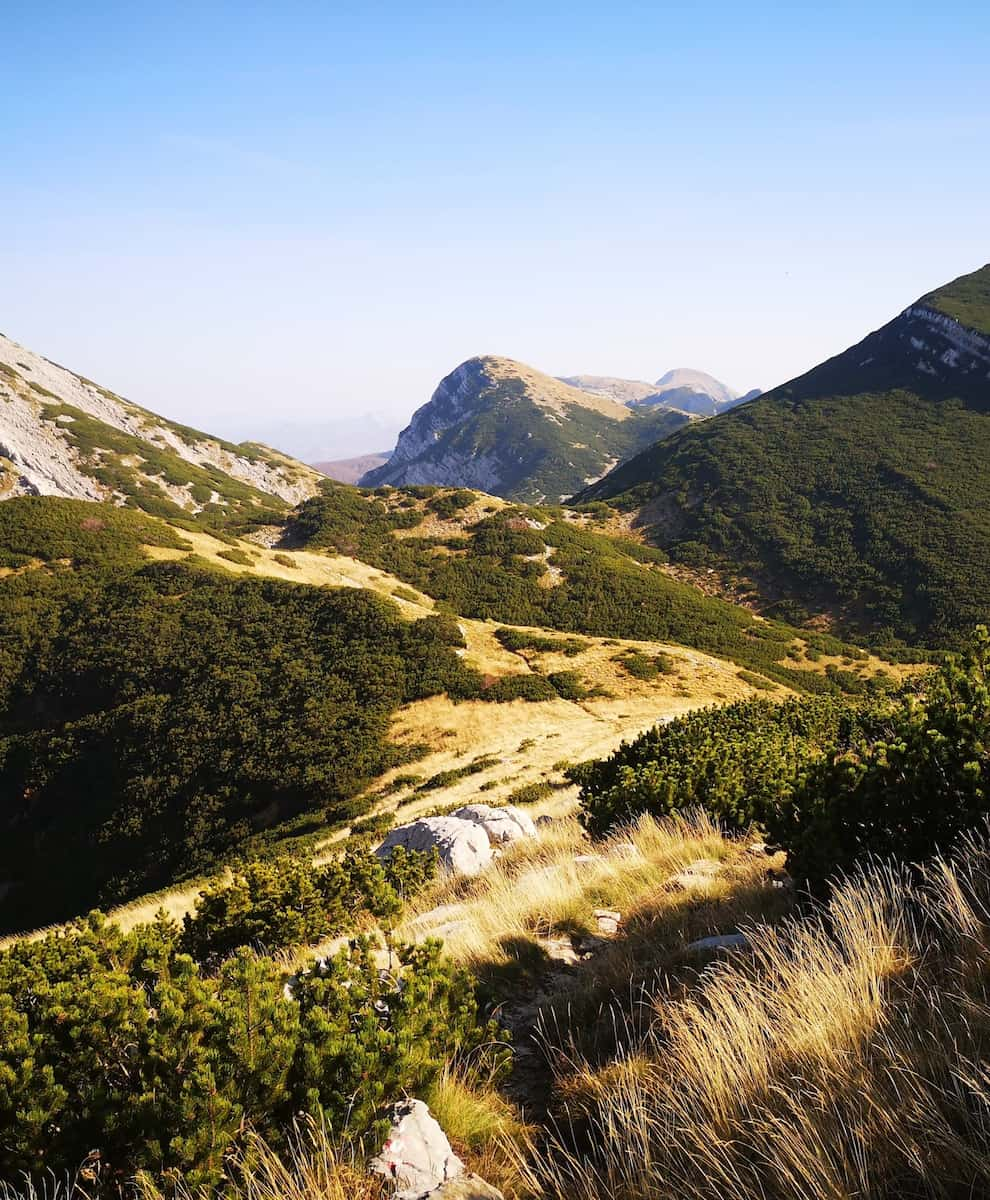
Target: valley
415 790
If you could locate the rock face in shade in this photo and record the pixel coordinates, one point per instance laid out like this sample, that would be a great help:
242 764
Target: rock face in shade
463 846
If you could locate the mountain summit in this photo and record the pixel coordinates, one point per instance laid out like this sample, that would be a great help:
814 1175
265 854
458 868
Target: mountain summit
504 427
685 389
861 489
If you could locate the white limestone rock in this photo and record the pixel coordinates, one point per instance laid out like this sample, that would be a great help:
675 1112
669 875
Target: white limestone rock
506 824
463 846
416 1155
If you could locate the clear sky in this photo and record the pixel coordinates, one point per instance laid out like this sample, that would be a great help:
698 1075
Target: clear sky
251 217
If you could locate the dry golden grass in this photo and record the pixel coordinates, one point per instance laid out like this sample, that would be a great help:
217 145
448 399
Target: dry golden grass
311 1168
845 1057
549 888
481 1124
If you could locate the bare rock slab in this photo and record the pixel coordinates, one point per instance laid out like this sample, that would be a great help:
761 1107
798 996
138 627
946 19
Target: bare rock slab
463 846
466 1187
502 825
719 941
416 1155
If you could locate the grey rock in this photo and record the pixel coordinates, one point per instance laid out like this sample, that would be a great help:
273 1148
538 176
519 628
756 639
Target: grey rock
608 920
505 824
416 1155
466 1187
720 941
463 846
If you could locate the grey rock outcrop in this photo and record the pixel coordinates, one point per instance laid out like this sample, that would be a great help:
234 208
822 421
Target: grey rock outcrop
463 846
39 403
502 825
416 1155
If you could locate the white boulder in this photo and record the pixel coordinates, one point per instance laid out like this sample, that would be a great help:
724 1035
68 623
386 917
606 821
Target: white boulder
416 1155
463 846
506 824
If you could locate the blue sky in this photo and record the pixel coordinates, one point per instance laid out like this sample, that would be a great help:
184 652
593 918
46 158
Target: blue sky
291 220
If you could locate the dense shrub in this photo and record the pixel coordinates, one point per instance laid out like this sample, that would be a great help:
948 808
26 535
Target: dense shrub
909 783
236 555
739 762
530 793
448 504
520 687
287 902
154 1065
524 639
645 666
568 685
153 718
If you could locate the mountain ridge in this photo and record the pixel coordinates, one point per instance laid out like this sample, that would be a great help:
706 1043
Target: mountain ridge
61 434
856 489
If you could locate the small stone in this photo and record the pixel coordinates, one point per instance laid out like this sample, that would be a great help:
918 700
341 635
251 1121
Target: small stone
608 920
777 877
625 850
720 941
585 861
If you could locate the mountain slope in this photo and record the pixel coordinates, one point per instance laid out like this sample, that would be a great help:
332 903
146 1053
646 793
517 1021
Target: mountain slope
63 435
502 427
861 488
622 391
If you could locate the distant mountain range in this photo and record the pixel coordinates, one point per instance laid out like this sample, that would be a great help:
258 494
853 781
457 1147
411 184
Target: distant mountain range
685 389
350 470
506 428
860 489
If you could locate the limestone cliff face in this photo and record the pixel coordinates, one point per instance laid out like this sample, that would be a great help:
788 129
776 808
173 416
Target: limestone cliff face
945 348
502 427
63 435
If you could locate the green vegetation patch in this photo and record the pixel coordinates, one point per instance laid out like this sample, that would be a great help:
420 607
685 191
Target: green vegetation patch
155 717
163 1066
602 591
49 529
739 762
966 300
521 639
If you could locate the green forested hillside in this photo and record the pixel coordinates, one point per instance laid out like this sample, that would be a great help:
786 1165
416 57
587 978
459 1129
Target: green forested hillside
861 489
154 716
531 566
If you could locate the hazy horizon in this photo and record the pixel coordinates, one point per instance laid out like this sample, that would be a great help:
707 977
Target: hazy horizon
253 222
